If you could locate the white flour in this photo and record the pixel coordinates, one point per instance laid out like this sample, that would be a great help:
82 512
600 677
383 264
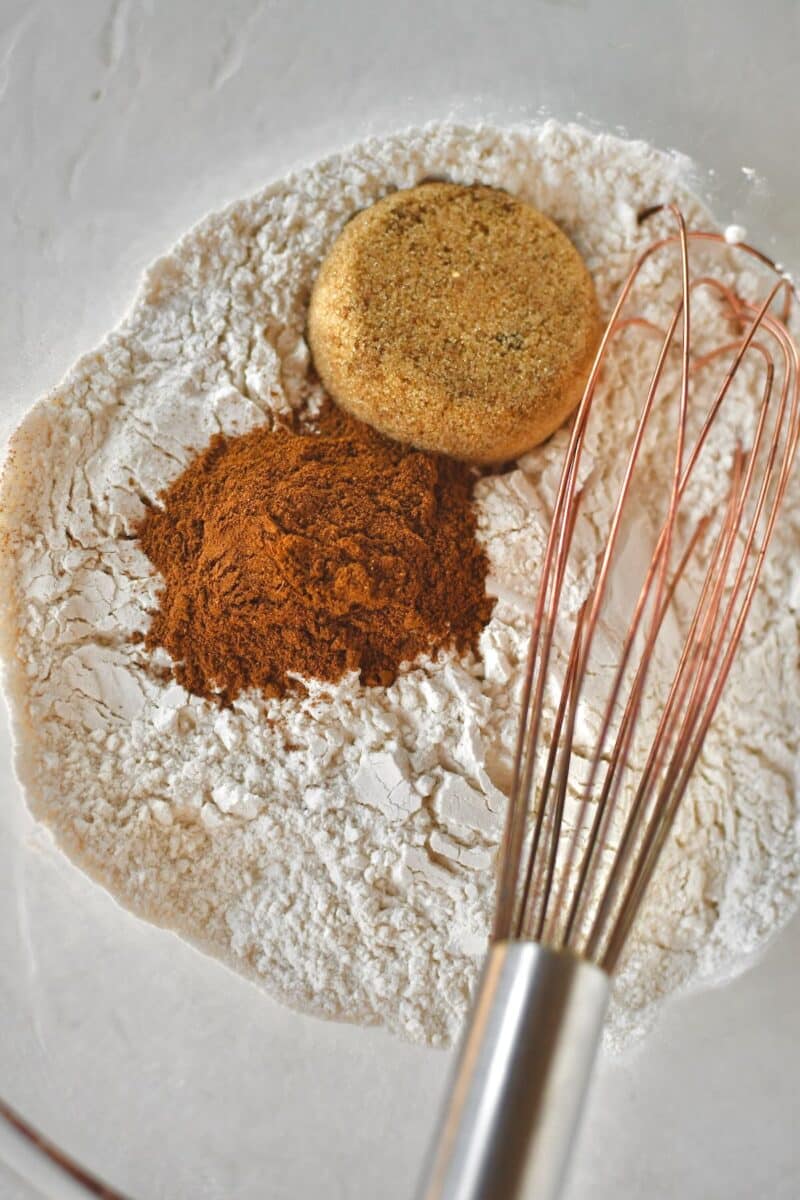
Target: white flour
338 848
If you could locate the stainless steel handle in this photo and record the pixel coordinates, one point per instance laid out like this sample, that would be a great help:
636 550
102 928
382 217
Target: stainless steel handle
521 1078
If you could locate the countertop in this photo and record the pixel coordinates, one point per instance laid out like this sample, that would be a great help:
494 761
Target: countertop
121 123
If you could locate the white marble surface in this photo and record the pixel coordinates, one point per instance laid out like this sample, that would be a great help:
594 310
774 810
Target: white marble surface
122 122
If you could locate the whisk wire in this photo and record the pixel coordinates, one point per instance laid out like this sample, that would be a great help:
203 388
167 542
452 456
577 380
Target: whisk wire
596 596
668 723
605 808
656 567
506 904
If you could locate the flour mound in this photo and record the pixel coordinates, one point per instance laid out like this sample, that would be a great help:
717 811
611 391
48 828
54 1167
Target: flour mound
337 846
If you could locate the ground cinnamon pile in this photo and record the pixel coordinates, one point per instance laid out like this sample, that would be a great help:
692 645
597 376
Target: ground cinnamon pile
312 553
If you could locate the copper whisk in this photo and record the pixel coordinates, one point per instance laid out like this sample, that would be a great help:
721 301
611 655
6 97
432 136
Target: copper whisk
589 817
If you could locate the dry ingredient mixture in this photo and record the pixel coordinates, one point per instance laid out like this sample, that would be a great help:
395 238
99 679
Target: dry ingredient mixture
312 553
336 843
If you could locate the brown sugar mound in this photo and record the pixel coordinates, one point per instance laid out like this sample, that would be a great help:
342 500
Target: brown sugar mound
313 553
458 319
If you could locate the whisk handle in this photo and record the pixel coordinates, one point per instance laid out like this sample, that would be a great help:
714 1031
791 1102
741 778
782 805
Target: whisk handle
522 1073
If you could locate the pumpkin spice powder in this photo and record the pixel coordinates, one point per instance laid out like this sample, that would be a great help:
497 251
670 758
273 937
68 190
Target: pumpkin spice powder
310 553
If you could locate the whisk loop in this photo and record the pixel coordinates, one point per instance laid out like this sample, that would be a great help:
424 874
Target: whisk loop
556 884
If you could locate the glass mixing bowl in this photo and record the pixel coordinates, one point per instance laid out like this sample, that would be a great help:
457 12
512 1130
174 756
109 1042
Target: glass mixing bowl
121 125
